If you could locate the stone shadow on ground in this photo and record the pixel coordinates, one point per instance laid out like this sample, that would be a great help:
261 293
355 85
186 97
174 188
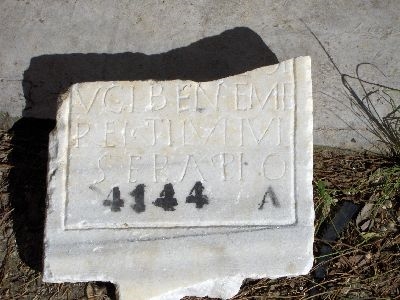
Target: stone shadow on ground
232 52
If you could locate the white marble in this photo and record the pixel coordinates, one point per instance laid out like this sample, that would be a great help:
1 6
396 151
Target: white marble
177 188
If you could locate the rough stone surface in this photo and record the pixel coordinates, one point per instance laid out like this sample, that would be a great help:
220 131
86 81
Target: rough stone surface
174 188
39 38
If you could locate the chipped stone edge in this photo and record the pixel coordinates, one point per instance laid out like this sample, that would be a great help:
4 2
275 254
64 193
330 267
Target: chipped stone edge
57 161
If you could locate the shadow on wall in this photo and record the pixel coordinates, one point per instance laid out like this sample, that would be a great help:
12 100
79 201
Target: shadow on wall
232 52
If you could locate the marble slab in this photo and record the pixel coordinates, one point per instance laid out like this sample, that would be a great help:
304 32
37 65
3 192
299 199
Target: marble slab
174 188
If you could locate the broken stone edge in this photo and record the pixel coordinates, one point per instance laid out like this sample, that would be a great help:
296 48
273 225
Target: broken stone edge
75 256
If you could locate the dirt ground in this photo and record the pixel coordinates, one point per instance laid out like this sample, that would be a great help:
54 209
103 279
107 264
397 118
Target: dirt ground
357 243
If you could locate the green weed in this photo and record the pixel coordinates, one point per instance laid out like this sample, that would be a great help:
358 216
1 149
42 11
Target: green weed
387 182
325 203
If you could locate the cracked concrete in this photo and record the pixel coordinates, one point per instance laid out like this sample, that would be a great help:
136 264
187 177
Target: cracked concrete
352 31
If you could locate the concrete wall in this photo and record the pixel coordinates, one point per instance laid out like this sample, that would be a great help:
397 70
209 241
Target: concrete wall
215 38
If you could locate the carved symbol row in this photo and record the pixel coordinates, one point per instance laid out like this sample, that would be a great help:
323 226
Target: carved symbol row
165 201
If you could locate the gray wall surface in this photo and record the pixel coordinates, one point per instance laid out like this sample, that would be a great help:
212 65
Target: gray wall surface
199 40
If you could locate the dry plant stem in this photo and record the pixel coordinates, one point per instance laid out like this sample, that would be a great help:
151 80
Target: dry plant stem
385 128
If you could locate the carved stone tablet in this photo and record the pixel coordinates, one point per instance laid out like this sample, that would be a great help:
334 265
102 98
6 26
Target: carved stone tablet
182 182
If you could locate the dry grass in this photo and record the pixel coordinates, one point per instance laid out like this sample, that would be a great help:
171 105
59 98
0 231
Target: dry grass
364 264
